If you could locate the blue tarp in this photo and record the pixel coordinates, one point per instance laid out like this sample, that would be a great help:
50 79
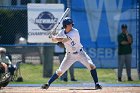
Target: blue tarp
99 23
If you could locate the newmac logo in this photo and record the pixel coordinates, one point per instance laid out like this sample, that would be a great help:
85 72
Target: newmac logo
46 21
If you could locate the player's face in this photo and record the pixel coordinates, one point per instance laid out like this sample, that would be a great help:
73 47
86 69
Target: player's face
69 27
124 30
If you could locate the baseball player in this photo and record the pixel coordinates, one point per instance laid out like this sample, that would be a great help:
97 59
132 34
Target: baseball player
74 52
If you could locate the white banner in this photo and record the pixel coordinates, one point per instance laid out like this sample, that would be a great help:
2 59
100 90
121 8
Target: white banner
41 21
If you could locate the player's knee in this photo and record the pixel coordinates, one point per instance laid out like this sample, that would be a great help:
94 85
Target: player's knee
92 66
59 73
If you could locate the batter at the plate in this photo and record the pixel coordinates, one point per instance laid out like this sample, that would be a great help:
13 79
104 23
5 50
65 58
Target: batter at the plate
74 52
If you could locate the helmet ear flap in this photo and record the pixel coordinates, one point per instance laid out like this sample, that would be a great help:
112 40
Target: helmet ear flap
72 25
64 26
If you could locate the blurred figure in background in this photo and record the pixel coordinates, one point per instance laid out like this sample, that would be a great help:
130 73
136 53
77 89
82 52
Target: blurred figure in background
4 60
59 49
125 41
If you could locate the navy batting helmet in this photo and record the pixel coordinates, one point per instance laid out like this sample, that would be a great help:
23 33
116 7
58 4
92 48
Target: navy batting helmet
67 21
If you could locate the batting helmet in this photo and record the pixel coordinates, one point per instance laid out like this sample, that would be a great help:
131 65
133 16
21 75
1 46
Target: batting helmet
67 21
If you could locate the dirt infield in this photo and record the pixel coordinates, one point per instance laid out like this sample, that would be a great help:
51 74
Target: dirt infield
70 90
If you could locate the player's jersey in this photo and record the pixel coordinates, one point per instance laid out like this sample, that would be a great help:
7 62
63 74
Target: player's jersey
74 43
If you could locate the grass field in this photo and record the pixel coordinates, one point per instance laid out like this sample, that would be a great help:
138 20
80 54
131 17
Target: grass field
32 74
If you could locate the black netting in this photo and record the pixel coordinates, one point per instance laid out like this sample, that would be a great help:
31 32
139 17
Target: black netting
13 24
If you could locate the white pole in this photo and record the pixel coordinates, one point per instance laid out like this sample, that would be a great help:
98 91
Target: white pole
43 1
58 1
32 1
18 2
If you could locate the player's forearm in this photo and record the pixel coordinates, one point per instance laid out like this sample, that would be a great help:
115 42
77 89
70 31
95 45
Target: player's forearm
54 40
129 39
124 42
65 40
60 39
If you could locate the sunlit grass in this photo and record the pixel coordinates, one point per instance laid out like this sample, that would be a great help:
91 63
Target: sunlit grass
33 74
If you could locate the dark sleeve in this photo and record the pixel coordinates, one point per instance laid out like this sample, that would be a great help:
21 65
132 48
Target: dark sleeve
60 44
131 37
120 39
9 56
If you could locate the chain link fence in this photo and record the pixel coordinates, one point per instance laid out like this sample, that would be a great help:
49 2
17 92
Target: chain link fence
13 26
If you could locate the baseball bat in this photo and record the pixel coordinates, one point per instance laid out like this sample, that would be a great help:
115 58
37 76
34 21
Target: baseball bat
59 21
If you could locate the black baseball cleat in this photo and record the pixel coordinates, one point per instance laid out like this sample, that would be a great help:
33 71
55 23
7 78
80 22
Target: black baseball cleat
65 79
73 80
130 79
119 79
97 86
45 86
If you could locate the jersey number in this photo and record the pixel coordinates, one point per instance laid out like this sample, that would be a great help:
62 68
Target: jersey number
73 43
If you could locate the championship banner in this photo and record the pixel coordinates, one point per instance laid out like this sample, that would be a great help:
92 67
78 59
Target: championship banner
42 19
